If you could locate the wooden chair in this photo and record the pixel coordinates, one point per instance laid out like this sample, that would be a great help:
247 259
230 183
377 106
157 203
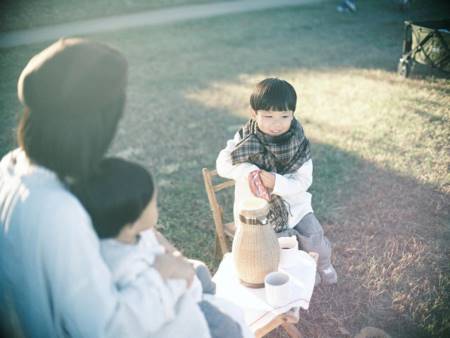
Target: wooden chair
225 233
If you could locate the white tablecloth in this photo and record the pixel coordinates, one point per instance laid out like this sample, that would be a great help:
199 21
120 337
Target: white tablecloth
253 301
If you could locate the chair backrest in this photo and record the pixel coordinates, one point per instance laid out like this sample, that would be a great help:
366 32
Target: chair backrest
223 230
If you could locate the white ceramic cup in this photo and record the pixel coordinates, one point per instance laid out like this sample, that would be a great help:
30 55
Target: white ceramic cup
278 289
288 251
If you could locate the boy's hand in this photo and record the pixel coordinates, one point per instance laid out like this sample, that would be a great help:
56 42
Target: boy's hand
174 267
268 179
256 185
166 244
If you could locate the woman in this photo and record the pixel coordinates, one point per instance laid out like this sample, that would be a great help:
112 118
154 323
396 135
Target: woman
51 275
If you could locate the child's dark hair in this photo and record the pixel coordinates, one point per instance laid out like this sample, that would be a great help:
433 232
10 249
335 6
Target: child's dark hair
273 94
115 195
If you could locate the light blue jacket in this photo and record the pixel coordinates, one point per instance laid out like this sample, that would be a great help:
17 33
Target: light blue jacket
52 273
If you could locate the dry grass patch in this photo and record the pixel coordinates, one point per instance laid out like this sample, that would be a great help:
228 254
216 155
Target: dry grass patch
392 256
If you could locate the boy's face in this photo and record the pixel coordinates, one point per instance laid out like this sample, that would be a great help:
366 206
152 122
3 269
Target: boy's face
149 216
273 122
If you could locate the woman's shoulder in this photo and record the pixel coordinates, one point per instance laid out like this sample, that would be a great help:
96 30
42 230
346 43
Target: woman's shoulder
50 193
37 190
65 204
39 206
53 203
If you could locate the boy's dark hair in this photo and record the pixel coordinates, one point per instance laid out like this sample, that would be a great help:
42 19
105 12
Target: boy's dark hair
115 195
74 97
273 94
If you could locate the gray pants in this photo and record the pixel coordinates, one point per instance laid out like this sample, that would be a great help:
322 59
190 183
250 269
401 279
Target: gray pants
204 276
311 238
220 324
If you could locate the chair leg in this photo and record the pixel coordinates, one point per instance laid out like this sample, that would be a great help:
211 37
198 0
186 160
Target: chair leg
292 330
218 253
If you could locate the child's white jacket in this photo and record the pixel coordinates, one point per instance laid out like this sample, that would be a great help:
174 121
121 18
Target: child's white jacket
179 303
291 187
180 315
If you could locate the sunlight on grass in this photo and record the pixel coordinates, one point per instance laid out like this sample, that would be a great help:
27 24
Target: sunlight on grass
397 124
25 14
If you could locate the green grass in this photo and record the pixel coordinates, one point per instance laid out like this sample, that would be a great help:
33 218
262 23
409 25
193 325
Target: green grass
24 14
188 92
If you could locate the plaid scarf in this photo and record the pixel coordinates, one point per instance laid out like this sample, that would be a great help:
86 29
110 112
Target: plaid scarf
281 154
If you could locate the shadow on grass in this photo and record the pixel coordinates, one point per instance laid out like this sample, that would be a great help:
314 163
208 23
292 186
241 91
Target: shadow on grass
391 251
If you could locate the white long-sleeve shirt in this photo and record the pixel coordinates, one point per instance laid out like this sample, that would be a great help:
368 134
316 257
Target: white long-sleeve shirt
293 187
128 261
52 271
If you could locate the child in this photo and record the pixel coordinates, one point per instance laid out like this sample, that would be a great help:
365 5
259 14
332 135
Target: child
273 144
121 200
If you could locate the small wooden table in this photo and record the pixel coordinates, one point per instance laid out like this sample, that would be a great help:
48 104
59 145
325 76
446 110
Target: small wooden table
286 320
260 316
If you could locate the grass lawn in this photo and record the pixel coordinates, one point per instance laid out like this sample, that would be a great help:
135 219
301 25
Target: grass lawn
380 145
23 14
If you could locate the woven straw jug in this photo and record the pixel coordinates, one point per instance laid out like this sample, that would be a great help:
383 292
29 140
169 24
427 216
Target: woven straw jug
256 251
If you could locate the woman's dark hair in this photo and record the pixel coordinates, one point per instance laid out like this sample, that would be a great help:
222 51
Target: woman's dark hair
69 146
74 97
116 194
273 94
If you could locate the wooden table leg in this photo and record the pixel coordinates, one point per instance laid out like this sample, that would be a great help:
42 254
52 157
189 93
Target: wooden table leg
272 325
292 330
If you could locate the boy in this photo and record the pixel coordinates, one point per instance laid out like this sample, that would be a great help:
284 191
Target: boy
273 143
121 199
